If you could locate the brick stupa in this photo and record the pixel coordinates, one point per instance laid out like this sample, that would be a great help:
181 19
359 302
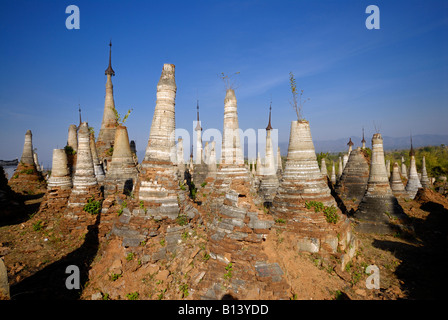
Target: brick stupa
158 184
379 210
301 185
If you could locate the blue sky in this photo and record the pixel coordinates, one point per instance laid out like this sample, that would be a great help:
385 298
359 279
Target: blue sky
395 76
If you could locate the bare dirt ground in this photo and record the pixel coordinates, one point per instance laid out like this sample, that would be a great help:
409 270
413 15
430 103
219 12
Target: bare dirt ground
36 253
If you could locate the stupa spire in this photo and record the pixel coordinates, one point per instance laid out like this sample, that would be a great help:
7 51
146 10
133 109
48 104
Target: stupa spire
109 70
269 127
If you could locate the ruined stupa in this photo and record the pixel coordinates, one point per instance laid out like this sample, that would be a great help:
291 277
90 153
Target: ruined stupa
60 181
157 184
379 208
425 180
236 221
122 174
304 199
26 177
200 167
340 168
413 182
323 167
404 171
85 184
353 182
99 171
180 158
350 147
106 137
396 183
333 174
388 168
269 180
72 140
279 163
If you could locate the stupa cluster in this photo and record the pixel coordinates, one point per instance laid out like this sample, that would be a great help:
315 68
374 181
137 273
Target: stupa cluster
243 200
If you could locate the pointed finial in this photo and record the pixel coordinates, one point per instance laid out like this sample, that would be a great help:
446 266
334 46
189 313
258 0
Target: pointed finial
198 126
79 110
269 127
109 69
411 152
350 143
363 140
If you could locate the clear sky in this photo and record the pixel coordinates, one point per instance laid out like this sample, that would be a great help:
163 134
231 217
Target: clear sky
395 77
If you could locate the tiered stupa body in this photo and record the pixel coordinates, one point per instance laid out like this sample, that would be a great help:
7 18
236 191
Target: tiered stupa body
301 185
413 183
72 140
157 184
353 182
26 177
323 167
122 174
404 171
396 183
378 206
98 167
85 184
60 181
425 180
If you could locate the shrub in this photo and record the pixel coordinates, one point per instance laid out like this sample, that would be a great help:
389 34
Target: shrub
37 226
331 214
132 295
93 206
182 220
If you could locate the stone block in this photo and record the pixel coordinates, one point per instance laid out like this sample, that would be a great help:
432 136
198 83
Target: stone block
308 245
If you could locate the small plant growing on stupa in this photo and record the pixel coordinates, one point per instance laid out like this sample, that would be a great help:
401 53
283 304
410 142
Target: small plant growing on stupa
229 83
297 97
121 121
92 206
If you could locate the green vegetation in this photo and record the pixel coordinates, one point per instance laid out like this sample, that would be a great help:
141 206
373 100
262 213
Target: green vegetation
132 295
182 220
69 150
93 206
229 269
115 276
331 213
184 289
436 159
27 171
121 121
37 226
203 184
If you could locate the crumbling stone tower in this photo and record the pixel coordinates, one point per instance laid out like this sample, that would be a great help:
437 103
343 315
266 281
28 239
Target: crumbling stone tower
269 180
122 174
353 182
396 184
413 182
26 177
99 171
60 182
157 184
85 184
106 136
302 189
379 210
425 180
